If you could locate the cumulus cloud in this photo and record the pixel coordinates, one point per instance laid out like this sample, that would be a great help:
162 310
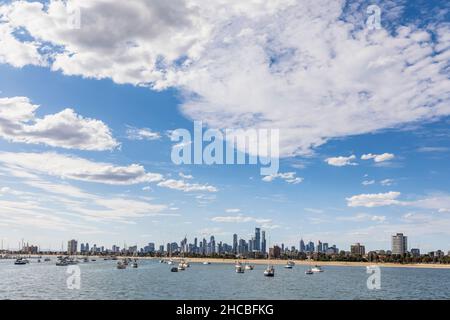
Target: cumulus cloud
341 161
142 134
71 167
65 129
361 217
387 182
185 186
287 50
289 177
374 200
378 157
185 176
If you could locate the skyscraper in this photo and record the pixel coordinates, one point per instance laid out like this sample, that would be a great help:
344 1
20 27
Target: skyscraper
399 244
235 243
72 246
263 242
257 241
302 246
358 249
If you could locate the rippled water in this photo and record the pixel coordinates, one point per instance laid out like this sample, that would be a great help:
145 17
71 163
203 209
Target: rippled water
152 280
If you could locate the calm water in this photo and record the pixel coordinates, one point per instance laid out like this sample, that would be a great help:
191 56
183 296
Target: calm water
152 280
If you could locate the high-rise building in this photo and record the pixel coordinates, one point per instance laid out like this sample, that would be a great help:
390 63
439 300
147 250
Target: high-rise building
72 246
319 246
257 241
302 246
82 249
399 244
325 247
213 244
263 242
415 252
358 249
235 243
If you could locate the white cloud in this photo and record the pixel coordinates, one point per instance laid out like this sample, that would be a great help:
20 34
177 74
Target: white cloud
368 182
289 177
374 200
287 50
378 157
185 176
71 167
64 129
361 217
233 210
264 223
186 187
341 161
142 134
387 182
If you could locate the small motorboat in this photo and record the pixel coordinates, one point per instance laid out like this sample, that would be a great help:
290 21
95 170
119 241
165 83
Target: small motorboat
249 267
170 262
21 261
206 262
290 264
47 260
62 262
239 268
181 267
270 271
174 269
309 271
317 269
121 265
134 264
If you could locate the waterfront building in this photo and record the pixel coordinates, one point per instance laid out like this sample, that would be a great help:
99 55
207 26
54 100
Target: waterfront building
72 246
358 249
275 252
415 252
399 244
325 247
319 247
235 243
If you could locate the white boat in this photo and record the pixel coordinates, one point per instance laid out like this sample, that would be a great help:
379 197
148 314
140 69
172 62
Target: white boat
270 271
181 267
290 264
239 268
121 265
206 262
62 262
170 262
309 271
317 269
134 264
249 267
21 261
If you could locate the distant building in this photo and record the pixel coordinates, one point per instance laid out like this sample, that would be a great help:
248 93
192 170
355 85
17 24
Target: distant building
263 243
302 246
275 252
415 252
358 249
72 246
257 240
399 244
235 243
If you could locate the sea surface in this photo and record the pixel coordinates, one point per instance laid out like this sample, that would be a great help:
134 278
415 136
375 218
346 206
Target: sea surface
153 280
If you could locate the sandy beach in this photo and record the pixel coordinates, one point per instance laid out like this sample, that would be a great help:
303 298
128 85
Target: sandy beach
321 263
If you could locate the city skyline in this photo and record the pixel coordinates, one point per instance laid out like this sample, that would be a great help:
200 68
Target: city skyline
87 121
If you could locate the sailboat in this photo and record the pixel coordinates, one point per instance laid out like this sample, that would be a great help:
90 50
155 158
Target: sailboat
238 267
270 270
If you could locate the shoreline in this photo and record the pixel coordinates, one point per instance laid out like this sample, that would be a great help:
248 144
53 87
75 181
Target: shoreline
307 263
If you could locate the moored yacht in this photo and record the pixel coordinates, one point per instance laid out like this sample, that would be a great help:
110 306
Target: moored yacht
270 271
317 269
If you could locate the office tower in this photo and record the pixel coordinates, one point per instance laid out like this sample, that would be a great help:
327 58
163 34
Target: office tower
319 247
213 244
358 249
399 244
195 242
86 247
235 243
302 246
282 247
72 247
325 246
263 242
250 245
205 246
161 248
310 247
257 240
82 248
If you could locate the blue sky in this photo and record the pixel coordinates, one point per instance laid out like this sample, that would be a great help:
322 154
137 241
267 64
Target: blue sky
363 118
